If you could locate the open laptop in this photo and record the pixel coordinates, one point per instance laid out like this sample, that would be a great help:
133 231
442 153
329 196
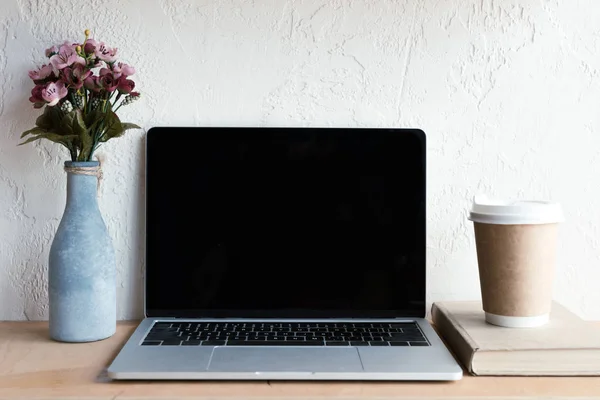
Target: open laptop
285 253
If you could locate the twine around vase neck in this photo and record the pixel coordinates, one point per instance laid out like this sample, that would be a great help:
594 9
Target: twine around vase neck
89 171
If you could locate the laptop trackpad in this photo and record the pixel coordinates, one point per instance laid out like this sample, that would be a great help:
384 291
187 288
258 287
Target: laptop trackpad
276 359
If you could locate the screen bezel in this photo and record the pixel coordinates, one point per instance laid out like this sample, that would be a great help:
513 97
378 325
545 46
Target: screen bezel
415 309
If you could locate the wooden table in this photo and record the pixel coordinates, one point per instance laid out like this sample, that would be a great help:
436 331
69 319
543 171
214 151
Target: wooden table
32 366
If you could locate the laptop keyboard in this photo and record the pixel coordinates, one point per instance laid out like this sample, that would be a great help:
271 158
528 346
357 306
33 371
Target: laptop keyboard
284 334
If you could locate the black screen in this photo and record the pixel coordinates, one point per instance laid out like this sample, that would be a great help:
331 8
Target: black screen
285 222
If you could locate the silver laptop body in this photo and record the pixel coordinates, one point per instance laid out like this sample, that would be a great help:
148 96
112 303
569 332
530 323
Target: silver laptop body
291 287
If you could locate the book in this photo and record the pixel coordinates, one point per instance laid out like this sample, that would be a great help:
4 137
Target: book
566 346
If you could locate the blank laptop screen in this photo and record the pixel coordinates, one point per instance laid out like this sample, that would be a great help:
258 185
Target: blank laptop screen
285 222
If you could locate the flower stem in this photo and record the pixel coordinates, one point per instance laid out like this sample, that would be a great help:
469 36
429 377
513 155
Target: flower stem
116 99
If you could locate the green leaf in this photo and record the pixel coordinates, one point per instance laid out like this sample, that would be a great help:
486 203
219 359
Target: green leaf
72 123
93 121
87 143
113 127
50 119
93 117
66 140
34 131
66 124
44 121
79 125
129 125
57 127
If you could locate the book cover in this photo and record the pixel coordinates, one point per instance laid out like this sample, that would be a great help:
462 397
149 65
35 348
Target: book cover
566 346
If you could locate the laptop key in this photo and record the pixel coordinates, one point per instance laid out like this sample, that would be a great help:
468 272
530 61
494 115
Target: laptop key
398 343
379 343
377 325
213 342
256 339
403 325
171 342
419 343
159 338
358 343
337 343
191 343
151 343
401 338
270 343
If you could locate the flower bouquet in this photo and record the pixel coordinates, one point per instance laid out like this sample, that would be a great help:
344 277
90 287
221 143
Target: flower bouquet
82 87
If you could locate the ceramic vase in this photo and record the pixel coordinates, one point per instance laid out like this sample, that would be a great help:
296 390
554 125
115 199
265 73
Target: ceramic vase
82 266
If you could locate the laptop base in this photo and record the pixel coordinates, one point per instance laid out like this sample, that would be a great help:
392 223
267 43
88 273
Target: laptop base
138 362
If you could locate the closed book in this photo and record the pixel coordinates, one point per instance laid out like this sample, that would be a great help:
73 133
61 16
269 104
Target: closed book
566 346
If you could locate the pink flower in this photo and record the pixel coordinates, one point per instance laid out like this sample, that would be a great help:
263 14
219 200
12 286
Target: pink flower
91 83
66 57
36 96
72 45
121 69
105 53
74 77
100 50
107 80
90 46
42 73
51 51
53 92
125 85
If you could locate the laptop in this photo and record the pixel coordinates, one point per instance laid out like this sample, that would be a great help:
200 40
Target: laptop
285 254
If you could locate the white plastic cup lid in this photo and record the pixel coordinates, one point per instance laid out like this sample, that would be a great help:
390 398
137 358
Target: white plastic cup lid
508 212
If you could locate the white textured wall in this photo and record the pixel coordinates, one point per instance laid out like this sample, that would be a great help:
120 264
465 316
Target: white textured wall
507 90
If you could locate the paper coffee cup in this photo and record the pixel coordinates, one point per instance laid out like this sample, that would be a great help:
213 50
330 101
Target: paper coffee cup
516 256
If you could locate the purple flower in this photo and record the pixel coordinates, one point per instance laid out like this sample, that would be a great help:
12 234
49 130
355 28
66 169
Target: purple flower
51 51
74 77
53 92
121 69
44 72
125 85
36 96
66 57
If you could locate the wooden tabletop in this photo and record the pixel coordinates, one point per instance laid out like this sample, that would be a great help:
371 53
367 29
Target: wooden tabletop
33 366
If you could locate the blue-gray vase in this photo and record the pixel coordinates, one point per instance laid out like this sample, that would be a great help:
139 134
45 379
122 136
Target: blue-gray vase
82 267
